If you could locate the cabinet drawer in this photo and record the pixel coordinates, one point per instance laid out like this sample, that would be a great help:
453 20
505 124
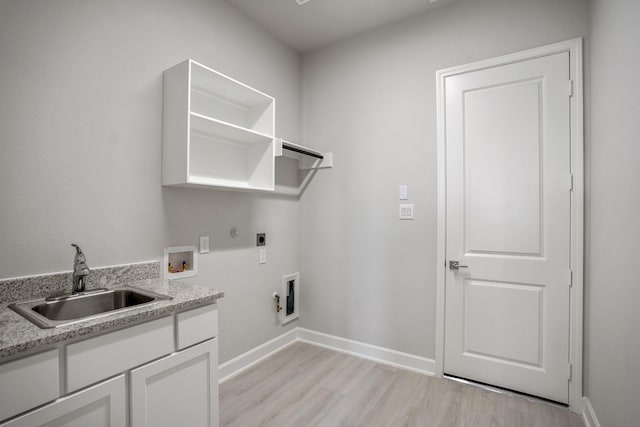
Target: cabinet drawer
197 325
29 382
97 358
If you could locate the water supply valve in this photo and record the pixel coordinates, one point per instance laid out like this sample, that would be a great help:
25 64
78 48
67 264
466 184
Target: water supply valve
276 298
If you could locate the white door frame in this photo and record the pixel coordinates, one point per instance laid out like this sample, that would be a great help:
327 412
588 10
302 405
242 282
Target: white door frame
574 47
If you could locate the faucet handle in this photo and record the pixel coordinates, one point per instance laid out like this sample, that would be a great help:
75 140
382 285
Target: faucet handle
79 260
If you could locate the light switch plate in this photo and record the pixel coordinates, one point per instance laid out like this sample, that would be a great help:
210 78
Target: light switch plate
403 192
263 256
406 211
204 244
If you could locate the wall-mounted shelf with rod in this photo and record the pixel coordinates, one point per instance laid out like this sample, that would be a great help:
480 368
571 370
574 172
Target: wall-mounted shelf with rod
308 158
309 162
217 131
290 146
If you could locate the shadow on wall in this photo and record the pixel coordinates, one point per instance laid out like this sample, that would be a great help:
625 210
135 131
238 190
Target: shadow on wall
190 213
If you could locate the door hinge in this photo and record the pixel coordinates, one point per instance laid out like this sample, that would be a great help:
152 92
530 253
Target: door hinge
570 88
569 370
570 182
570 277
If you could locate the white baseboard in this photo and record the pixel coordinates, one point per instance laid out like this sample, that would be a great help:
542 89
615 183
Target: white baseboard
589 415
368 351
383 355
246 360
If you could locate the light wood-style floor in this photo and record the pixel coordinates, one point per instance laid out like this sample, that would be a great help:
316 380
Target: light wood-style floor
306 385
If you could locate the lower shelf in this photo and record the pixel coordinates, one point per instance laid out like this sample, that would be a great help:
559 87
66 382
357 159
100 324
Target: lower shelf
224 164
208 182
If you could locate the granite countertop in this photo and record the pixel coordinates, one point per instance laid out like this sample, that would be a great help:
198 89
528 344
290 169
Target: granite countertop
19 335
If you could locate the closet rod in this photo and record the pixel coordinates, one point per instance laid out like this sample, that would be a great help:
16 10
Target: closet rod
290 147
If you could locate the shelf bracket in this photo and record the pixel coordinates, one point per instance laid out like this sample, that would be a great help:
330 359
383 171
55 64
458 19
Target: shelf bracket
309 164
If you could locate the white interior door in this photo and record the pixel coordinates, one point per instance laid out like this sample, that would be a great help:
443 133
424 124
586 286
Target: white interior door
508 222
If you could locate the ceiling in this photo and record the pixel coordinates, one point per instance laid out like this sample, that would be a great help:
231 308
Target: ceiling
316 23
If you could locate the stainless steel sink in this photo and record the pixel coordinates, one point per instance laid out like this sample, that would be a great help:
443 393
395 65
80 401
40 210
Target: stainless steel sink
59 311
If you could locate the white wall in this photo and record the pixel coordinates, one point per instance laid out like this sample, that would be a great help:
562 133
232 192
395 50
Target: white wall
371 100
80 146
612 348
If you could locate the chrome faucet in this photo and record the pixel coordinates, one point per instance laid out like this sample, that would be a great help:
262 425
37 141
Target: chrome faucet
80 270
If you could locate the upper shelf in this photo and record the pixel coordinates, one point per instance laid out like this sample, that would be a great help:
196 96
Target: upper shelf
226 88
228 132
217 131
219 97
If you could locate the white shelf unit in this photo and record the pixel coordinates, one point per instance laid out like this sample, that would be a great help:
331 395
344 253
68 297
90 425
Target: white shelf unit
309 162
217 131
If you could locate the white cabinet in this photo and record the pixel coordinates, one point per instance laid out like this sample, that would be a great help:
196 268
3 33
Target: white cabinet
102 405
28 382
171 364
217 131
180 389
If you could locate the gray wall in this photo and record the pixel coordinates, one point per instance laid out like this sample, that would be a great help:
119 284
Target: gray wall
612 350
80 147
80 84
371 100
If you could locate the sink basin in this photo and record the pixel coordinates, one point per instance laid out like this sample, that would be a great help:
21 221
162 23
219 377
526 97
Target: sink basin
51 313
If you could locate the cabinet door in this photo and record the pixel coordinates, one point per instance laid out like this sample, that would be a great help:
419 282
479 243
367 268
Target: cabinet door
29 382
178 390
103 405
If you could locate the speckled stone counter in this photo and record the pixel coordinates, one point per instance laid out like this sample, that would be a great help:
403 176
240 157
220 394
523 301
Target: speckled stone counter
18 335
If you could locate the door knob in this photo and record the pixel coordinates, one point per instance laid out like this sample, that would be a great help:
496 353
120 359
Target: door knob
455 265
